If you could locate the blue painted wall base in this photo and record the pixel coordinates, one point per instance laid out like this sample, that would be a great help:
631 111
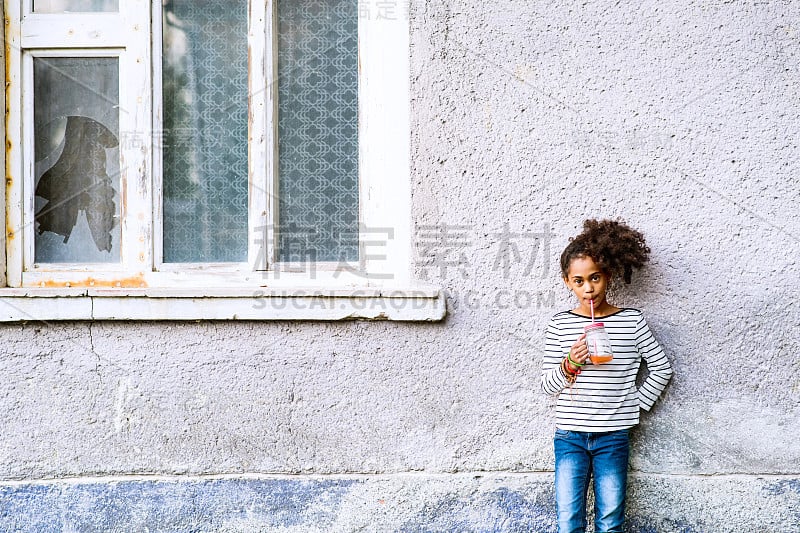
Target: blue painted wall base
407 503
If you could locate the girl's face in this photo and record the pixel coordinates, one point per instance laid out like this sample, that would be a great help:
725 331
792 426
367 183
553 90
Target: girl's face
588 282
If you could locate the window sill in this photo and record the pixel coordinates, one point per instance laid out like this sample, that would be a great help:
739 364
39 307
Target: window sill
418 303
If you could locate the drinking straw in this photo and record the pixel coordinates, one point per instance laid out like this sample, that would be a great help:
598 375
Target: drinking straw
591 306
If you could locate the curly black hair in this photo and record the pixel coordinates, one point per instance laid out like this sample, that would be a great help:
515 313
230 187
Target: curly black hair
614 246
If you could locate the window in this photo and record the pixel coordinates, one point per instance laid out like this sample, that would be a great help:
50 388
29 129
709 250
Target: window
156 149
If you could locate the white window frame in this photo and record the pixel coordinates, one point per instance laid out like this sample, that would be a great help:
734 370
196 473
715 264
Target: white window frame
142 286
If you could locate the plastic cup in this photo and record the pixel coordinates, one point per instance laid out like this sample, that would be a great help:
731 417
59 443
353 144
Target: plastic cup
598 343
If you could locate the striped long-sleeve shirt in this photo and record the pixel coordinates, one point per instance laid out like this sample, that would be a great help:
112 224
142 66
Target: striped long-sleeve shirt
604 397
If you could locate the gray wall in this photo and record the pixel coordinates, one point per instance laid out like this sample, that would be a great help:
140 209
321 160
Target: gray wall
680 117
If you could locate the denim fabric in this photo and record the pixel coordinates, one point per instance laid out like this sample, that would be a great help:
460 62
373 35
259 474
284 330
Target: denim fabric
579 457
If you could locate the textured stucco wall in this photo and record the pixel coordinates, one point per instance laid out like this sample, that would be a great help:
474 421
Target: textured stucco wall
681 117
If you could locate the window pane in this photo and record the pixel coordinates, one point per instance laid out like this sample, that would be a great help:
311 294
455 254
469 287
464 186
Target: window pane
318 130
76 172
205 130
74 6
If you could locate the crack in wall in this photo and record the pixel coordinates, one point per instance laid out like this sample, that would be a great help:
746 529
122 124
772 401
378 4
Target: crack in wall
98 361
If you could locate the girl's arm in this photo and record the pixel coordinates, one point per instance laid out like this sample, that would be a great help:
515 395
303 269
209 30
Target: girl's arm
658 367
553 379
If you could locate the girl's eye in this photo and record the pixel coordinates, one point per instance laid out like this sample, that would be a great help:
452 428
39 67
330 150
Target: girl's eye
596 277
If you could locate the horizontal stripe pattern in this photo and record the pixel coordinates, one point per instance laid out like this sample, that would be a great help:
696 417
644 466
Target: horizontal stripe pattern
604 397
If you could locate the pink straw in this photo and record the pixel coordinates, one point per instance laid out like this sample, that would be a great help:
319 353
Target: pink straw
591 305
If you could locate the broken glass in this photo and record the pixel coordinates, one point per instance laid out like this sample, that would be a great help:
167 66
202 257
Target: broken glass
76 170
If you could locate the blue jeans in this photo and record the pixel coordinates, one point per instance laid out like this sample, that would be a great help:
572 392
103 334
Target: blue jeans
580 455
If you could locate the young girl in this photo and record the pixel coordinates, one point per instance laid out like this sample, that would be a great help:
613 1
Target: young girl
598 403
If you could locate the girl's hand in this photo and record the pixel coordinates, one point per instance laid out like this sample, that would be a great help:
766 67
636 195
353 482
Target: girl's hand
579 352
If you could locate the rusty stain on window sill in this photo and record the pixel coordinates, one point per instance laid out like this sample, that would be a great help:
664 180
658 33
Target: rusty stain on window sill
129 282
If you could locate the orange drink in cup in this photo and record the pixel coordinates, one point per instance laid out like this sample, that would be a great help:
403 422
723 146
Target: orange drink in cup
599 343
